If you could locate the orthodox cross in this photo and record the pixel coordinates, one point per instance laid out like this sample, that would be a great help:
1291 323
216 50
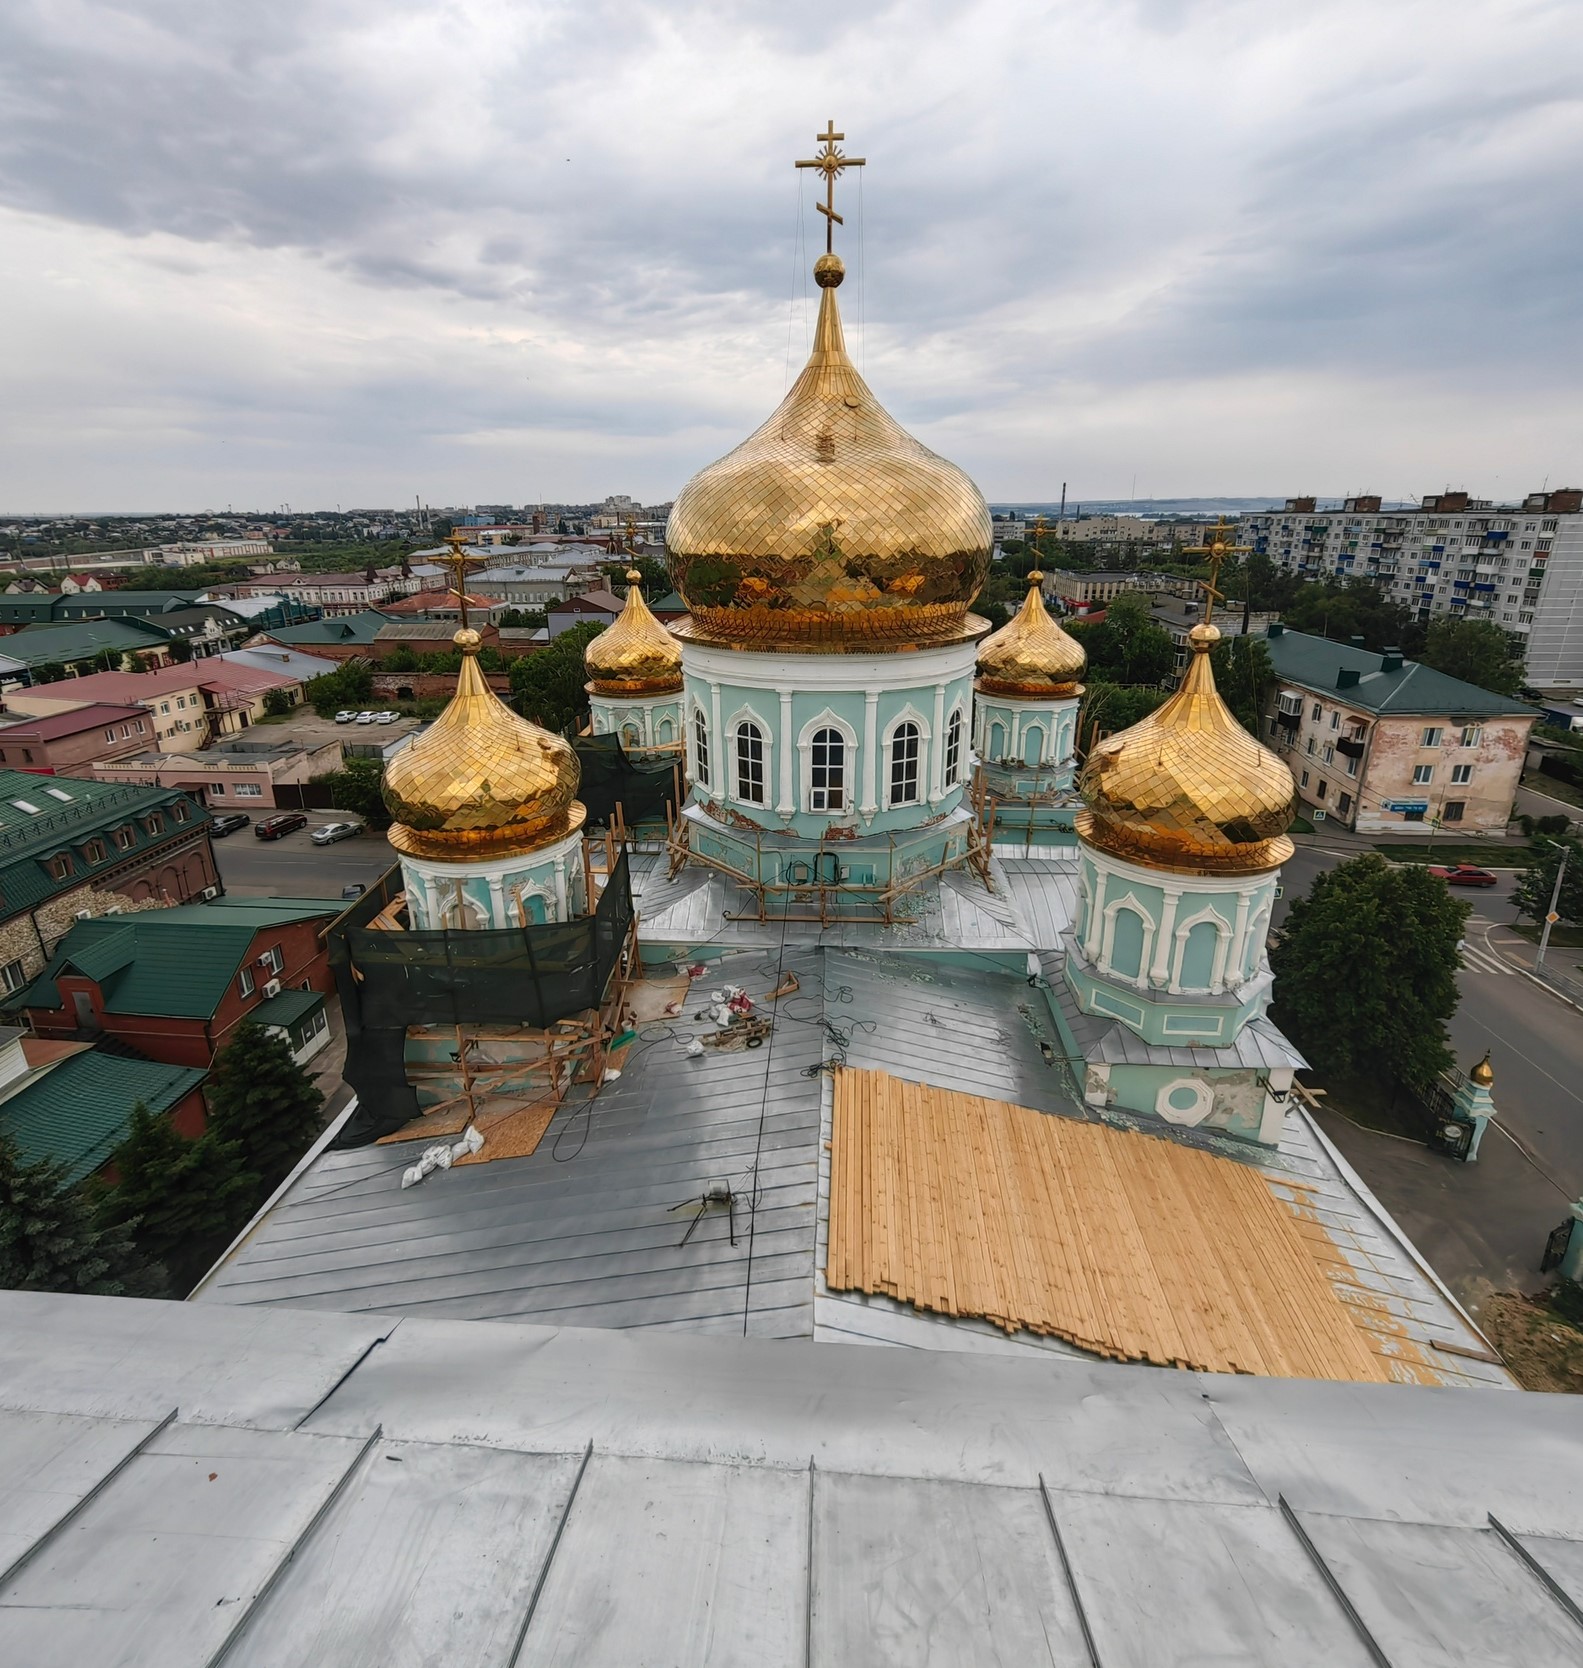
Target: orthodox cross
458 562
1215 551
831 162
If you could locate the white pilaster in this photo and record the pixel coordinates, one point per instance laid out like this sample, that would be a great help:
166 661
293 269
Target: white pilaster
788 805
1160 968
937 748
870 805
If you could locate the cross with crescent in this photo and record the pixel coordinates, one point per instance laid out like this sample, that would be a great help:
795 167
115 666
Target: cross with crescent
458 562
831 162
1216 550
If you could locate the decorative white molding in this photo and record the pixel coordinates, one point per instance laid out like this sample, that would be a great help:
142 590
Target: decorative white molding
1217 969
1189 1116
1112 910
909 714
870 806
937 754
732 786
827 720
787 807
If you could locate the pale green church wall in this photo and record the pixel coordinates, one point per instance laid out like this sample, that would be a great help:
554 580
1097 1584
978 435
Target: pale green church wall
538 887
1002 725
652 721
1237 1099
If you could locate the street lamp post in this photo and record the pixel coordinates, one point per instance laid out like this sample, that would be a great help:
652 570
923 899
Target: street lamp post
1550 914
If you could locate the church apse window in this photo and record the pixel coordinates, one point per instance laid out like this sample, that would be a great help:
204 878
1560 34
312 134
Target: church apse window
827 764
905 745
953 749
750 764
701 748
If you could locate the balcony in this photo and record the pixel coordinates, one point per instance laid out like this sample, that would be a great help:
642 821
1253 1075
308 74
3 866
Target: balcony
1352 746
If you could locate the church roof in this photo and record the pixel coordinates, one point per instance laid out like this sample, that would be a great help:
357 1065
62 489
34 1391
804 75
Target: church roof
191 1483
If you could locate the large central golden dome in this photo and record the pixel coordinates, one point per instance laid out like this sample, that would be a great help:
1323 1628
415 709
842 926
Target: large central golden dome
481 782
1188 788
830 527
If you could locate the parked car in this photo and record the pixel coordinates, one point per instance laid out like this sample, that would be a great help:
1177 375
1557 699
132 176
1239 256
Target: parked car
285 822
1462 874
227 822
330 832
345 717
365 718
388 717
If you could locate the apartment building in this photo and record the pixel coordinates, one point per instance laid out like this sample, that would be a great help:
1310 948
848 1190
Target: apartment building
1379 742
1520 566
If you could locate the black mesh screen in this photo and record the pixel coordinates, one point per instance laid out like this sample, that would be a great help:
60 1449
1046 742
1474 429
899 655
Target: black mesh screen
644 793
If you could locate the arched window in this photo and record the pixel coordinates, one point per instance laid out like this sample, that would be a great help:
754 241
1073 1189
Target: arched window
629 734
904 765
827 766
1033 745
700 747
953 748
997 741
1126 945
750 763
667 731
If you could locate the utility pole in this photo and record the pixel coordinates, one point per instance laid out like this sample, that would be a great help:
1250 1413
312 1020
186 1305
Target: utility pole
1550 914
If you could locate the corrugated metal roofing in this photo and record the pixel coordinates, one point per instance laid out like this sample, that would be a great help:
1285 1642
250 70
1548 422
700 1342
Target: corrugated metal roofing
287 1008
176 962
357 1494
77 1110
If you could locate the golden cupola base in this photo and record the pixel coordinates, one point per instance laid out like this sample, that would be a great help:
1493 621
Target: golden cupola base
481 782
1188 789
830 529
1030 654
636 655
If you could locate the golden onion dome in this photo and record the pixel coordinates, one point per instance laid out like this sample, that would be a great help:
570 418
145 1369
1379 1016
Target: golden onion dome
1188 788
481 782
1483 1073
636 655
830 527
1030 654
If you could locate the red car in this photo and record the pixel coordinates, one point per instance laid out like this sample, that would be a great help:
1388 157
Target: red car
1464 874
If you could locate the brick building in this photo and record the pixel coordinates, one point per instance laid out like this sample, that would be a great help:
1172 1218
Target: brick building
69 743
175 983
70 848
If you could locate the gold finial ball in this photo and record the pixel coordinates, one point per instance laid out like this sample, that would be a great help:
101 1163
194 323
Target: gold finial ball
634 577
467 640
828 271
1204 637
1034 578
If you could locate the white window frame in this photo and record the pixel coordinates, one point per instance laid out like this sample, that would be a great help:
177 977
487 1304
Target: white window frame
908 715
700 745
1461 775
1431 736
955 733
13 976
1423 775
850 779
738 722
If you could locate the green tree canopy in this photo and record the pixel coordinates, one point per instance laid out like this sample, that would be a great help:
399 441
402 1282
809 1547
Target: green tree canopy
182 1200
1477 651
1537 882
1341 608
1109 707
349 685
548 686
1244 677
49 1240
357 787
1366 971
264 1103
1127 646
277 702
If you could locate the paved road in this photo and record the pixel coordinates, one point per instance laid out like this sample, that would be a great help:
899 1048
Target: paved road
293 867
1482 1225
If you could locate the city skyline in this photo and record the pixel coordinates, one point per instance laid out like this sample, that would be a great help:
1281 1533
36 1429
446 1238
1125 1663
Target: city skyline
350 254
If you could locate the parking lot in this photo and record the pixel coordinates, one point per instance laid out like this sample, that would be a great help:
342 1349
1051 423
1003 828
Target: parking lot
293 867
306 726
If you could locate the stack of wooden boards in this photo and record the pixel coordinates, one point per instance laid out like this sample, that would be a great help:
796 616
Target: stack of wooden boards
1128 1245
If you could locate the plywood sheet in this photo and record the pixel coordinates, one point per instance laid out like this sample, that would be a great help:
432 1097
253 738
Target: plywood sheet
1131 1246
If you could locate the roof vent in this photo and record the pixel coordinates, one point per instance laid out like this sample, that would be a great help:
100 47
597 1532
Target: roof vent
1346 678
1274 629
1391 660
1356 640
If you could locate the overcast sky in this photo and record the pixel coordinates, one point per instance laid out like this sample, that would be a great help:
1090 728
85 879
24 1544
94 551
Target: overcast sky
326 252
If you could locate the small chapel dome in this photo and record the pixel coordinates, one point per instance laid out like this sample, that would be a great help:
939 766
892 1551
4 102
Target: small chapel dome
1483 1073
1188 788
830 527
1030 654
636 655
481 782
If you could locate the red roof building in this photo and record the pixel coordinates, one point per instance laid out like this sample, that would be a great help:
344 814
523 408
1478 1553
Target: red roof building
69 743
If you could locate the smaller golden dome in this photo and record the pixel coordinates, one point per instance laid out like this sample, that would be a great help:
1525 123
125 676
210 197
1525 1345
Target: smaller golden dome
636 655
1483 1073
1188 788
1030 654
481 782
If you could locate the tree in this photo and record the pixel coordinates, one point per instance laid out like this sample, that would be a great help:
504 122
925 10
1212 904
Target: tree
1244 677
548 686
1366 971
530 619
49 1240
358 787
1477 651
349 685
277 703
1109 707
1532 892
261 1099
183 1201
